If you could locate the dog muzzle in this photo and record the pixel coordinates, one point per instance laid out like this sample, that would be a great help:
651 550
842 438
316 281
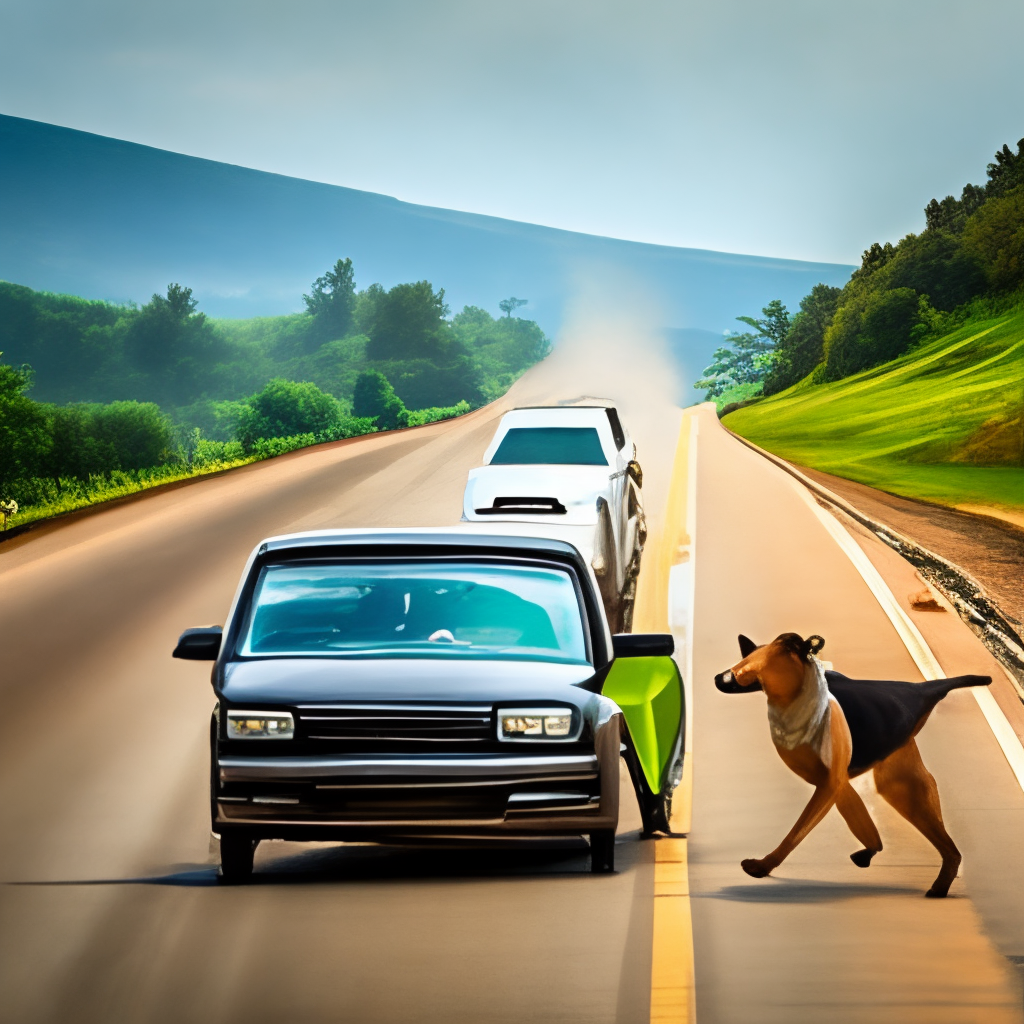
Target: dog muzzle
726 682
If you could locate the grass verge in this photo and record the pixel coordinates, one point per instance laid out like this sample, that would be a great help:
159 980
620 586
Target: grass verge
944 423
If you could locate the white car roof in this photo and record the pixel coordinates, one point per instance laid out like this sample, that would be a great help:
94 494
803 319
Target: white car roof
556 416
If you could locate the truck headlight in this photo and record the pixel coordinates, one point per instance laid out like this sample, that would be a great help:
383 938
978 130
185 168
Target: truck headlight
261 725
536 724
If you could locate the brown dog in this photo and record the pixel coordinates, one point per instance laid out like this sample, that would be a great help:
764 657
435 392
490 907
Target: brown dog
828 729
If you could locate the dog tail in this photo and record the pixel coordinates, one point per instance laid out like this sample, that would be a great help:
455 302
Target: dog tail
938 688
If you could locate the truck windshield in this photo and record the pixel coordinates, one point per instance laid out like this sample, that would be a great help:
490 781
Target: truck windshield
551 446
461 610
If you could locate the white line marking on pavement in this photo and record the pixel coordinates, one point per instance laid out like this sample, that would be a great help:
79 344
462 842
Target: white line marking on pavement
915 643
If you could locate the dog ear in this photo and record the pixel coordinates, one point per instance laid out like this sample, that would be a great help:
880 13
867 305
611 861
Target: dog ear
813 644
747 646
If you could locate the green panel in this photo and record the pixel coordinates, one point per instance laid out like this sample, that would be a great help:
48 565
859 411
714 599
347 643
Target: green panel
649 691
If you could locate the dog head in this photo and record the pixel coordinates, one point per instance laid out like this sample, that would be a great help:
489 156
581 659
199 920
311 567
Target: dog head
746 675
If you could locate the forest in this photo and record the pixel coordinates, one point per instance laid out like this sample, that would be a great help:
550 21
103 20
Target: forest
967 263
99 399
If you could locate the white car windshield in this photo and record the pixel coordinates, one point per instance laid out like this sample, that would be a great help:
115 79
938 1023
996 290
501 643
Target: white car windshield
453 610
550 446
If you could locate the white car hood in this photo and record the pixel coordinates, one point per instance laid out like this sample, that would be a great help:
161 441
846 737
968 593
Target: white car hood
575 487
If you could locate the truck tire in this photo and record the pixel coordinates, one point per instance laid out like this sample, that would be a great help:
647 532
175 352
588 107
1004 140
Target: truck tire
236 856
602 851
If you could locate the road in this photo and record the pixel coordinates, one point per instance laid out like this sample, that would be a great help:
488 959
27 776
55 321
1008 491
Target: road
110 911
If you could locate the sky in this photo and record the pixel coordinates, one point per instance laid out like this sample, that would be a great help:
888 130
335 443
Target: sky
804 129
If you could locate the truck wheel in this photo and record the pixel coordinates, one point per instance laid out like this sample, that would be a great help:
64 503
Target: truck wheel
236 856
602 851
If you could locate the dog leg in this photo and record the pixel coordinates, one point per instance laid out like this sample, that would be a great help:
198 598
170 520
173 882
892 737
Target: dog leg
851 807
828 781
909 787
822 799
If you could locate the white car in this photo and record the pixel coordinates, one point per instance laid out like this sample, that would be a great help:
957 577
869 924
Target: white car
568 472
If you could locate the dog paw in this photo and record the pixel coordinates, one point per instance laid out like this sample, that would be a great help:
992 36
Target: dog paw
862 858
755 868
937 893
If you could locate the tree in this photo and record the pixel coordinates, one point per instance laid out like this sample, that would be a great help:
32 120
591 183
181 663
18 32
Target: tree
1007 171
137 434
935 263
504 346
750 358
873 329
332 302
510 305
285 408
24 440
773 327
366 306
951 214
408 323
744 363
995 235
172 345
874 258
804 344
375 398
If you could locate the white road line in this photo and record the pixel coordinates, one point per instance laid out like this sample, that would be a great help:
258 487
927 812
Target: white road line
911 636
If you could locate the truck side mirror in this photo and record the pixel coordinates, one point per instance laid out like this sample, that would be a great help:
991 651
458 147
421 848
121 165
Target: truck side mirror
643 645
635 472
201 644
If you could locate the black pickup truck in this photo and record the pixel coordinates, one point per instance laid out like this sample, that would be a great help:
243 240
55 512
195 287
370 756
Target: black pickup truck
384 683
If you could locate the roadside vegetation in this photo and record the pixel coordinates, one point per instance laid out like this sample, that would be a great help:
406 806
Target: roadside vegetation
99 400
911 377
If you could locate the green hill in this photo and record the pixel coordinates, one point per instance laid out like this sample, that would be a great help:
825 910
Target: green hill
944 423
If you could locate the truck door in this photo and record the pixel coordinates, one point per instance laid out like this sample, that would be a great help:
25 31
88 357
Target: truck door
649 690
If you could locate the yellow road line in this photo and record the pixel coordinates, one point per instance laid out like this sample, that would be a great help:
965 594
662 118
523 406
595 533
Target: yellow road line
672 985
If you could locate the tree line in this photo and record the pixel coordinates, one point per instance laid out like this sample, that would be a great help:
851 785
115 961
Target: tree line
127 389
169 352
969 256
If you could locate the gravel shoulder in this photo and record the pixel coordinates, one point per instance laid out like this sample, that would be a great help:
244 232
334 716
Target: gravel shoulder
990 549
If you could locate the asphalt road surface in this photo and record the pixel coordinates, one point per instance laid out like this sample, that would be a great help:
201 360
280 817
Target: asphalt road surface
109 907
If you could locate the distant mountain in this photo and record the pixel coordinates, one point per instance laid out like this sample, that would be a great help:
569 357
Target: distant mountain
102 218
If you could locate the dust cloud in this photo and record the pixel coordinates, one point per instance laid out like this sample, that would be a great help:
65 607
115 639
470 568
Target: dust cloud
612 346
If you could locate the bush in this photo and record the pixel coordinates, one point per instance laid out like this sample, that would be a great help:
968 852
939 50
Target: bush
136 434
268 447
285 408
421 416
375 399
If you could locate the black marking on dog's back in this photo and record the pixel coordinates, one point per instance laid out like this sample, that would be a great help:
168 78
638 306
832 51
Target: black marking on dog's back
884 714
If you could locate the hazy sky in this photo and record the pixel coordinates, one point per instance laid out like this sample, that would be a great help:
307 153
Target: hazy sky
801 129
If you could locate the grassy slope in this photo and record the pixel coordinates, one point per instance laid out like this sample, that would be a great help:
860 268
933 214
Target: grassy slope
904 426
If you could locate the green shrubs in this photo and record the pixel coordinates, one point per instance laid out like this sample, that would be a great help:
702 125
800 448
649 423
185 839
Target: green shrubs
285 408
374 398
420 417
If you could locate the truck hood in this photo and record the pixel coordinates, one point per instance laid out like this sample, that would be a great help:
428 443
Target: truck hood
577 488
434 680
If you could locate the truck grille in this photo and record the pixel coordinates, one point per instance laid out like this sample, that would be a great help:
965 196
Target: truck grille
398 723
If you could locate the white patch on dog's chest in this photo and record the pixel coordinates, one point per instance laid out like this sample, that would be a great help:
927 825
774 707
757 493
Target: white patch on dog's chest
807 720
